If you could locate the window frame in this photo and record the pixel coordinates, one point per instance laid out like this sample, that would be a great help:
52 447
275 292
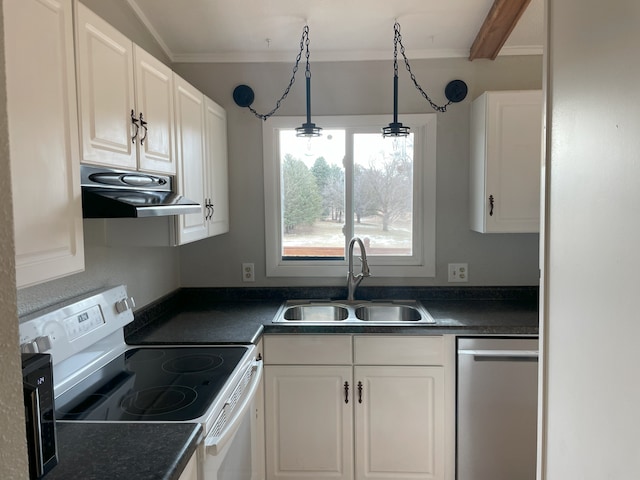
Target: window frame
420 264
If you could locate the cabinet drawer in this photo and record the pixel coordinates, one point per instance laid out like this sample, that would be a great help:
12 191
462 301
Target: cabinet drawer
307 349
394 350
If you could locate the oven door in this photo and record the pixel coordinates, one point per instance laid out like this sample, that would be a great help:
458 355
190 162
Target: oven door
232 449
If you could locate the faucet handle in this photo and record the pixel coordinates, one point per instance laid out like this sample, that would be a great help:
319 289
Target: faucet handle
365 272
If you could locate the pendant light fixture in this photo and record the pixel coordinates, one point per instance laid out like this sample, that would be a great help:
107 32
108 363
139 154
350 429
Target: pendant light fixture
395 128
243 94
455 91
308 129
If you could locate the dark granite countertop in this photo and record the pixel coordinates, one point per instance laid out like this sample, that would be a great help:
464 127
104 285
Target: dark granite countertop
226 315
109 451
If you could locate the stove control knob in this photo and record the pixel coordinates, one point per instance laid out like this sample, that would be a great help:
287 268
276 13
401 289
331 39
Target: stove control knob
43 343
37 345
125 304
29 347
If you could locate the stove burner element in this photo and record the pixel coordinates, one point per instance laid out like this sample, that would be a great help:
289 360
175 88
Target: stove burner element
192 363
158 400
145 355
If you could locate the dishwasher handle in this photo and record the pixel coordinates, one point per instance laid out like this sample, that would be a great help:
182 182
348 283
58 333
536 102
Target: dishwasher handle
502 355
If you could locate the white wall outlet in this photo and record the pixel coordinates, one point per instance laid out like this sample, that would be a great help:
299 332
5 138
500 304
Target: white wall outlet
248 274
458 272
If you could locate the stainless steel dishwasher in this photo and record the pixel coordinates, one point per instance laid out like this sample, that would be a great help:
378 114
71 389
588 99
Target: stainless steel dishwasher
497 399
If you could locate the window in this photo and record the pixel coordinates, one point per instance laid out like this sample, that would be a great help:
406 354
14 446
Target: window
320 192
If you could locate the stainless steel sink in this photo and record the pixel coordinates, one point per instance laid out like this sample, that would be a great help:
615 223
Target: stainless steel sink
316 313
388 313
342 312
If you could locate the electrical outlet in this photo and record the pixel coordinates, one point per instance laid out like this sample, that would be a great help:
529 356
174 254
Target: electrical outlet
248 274
458 272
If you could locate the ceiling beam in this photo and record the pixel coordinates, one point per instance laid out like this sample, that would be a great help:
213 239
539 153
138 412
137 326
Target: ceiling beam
500 21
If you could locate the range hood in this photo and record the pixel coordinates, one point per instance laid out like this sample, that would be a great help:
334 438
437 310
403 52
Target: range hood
110 193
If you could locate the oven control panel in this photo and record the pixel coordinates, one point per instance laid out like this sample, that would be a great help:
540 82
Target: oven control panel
81 323
73 326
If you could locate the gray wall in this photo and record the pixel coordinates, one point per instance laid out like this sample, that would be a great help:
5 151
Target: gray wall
360 88
149 273
589 385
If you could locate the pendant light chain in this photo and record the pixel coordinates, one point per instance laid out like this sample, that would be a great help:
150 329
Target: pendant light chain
305 36
397 39
304 41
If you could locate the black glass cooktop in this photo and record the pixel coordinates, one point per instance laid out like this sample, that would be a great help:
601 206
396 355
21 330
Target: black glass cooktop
152 384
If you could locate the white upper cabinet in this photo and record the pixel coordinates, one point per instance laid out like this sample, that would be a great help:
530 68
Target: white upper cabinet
201 140
125 100
192 170
43 139
154 98
202 176
505 169
217 167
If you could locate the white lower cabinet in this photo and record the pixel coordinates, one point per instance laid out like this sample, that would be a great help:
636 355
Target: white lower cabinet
190 472
400 423
366 416
309 426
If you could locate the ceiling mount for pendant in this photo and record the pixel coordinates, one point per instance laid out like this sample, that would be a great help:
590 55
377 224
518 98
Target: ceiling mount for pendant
243 95
456 91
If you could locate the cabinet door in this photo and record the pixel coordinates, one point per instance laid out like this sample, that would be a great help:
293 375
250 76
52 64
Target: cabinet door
43 138
192 181
309 426
105 92
216 150
506 146
154 101
399 423
190 472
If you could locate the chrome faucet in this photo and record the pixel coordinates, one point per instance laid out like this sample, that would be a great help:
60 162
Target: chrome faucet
354 280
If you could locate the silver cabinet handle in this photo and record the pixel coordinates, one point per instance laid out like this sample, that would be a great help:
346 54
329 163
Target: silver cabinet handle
501 355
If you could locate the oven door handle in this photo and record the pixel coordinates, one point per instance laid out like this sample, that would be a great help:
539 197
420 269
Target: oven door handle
215 444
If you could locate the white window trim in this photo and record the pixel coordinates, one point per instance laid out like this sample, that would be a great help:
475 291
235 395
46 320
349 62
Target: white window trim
424 128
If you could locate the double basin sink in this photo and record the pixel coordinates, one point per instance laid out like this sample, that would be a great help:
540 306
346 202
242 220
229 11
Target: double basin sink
343 312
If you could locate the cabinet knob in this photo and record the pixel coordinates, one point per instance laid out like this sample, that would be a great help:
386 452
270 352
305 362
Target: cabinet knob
491 205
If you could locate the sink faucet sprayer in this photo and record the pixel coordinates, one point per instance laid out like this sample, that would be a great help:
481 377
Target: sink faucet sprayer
354 280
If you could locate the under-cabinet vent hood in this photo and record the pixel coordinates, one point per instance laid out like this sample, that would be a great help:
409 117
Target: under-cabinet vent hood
109 193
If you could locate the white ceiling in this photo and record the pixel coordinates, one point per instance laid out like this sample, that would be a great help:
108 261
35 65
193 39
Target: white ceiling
270 30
